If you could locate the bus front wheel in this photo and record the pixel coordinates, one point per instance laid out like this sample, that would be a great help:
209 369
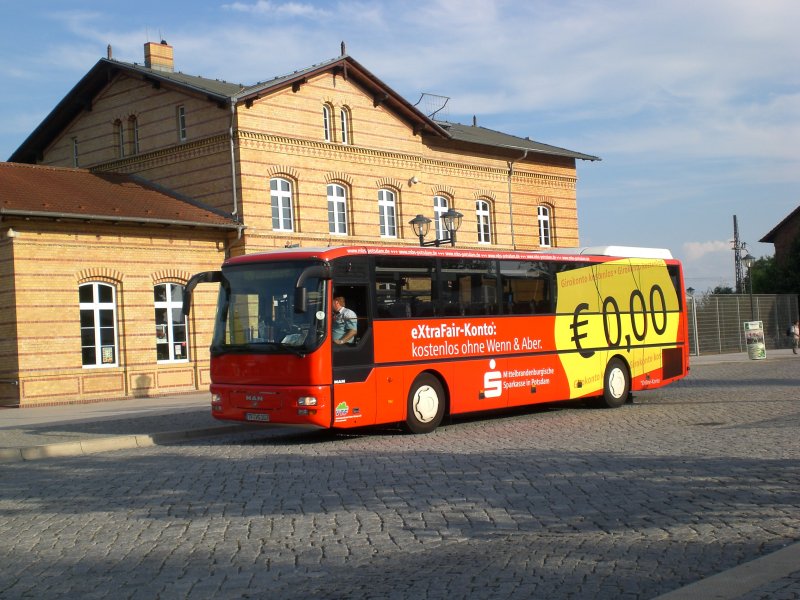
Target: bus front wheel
426 402
616 384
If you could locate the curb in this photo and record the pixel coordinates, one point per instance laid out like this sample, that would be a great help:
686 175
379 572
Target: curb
740 580
106 444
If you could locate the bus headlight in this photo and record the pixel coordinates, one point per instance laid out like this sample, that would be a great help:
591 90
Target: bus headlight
216 398
307 401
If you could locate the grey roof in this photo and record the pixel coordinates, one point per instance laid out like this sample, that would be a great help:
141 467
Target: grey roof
223 92
488 137
215 87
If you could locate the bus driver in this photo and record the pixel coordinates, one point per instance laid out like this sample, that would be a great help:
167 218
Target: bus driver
345 324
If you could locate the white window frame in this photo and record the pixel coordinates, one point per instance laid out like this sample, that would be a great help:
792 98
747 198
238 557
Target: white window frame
545 229
344 117
97 329
337 209
280 191
483 213
75 152
166 333
326 122
181 120
441 205
387 213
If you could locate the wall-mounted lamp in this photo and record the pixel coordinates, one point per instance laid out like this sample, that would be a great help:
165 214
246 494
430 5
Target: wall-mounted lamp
413 180
451 220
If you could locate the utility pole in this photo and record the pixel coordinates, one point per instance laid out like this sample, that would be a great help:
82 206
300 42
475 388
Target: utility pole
739 248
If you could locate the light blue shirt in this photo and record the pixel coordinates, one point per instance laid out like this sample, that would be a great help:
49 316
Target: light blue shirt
344 321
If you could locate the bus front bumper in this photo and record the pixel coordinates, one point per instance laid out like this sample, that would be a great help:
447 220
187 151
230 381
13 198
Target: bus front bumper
294 405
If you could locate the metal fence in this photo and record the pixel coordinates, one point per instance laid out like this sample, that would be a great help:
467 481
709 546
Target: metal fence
716 320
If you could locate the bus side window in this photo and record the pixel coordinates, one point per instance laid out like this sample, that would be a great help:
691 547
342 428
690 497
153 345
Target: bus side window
404 287
526 287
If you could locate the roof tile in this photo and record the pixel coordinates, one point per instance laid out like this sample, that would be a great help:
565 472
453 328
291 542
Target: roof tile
31 190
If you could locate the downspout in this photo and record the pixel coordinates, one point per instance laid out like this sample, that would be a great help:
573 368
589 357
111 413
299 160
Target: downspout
235 212
510 202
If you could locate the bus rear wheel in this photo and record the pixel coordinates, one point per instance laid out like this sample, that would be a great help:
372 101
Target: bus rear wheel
426 402
616 384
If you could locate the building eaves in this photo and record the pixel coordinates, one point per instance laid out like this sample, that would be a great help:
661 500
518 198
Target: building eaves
474 134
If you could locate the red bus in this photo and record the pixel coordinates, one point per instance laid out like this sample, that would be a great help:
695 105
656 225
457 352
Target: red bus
440 331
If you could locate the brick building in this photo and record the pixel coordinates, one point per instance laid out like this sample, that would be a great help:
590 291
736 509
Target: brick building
783 236
323 156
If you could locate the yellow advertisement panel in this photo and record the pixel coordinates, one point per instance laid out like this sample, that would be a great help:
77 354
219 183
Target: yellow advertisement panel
627 307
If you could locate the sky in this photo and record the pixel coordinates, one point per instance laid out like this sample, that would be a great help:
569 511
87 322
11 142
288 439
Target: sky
692 105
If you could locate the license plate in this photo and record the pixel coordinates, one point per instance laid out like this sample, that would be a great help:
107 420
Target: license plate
264 418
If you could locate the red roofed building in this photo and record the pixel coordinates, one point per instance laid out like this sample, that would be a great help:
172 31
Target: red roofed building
92 267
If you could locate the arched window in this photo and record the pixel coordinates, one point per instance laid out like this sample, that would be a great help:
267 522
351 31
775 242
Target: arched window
326 122
119 134
440 206
344 117
281 200
337 209
98 310
387 213
133 126
544 225
171 338
483 214
180 114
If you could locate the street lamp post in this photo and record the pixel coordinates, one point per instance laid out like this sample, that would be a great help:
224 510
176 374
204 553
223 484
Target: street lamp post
452 222
748 261
690 292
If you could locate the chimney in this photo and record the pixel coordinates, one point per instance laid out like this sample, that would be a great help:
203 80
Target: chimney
158 56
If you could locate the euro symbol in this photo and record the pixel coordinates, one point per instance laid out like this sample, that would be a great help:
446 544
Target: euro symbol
576 324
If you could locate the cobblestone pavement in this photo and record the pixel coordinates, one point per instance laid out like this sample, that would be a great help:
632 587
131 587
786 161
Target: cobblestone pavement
554 502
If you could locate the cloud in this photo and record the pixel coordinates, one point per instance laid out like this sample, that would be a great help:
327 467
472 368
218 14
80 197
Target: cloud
697 250
283 9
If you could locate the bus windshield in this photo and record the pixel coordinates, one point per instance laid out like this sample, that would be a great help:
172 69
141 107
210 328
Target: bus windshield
256 311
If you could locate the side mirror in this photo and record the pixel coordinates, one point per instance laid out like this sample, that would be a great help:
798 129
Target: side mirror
204 277
322 271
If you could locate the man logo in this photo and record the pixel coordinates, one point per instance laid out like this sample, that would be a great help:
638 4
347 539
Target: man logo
492 382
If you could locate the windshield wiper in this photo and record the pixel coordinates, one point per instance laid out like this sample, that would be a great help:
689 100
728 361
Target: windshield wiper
296 350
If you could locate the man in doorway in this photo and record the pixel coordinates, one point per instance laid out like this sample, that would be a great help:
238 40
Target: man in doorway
345 322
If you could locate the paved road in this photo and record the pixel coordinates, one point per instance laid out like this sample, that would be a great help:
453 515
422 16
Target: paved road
560 502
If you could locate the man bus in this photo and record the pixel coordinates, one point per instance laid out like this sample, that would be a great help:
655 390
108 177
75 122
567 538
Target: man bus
440 331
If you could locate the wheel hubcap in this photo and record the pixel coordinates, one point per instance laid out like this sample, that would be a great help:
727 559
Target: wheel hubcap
616 383
426 404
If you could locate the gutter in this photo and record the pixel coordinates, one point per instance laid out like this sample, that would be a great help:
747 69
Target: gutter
235 212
